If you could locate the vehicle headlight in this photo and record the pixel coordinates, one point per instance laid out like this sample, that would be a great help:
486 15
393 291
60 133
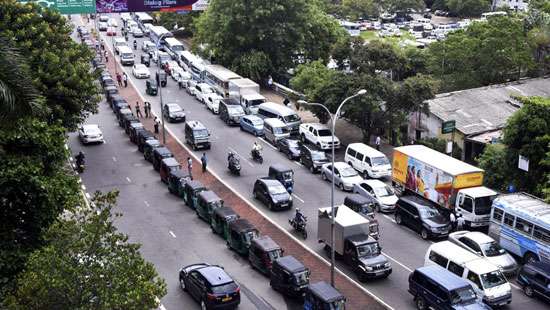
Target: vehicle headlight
290 198
387 265
369 268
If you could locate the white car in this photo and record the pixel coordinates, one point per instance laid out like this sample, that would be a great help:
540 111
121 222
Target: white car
140 71
212 102
112 22
485 246
180 75
201 91
102 26
136 32
190 86
103 18
172 65
345 177
90 133
148 46
131 24
319 135
382 193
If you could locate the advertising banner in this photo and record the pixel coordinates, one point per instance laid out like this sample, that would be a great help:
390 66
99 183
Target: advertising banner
429 182
117 6
68 6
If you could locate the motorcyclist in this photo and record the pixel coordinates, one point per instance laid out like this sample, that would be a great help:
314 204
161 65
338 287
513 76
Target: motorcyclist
299 218
80 159
230 156
256 149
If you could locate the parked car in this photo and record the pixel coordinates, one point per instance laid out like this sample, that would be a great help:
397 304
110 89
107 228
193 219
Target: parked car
319 135
173 112
344 175
272 193
151 87
289 147
210 285
381 192
421 216
90 133
534 279
212 102
252 124
140 71
312 159
485 246
102 26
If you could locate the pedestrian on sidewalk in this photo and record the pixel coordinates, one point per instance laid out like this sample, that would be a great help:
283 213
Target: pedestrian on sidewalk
138 110
147 109
125 78
287 103
119 79
270 82
190 167
203 161
378 141
156 125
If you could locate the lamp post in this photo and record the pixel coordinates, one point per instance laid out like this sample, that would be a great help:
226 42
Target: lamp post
333 119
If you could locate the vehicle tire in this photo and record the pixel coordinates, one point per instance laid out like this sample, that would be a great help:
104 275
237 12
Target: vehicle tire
242 129
398 219
378 208
323 175
270 206
424 234
203 305
530 258
303 138
289 155
342 187
279 148
182 285
528 290
312 169
254 195
366 175
420 303
304 234
261 160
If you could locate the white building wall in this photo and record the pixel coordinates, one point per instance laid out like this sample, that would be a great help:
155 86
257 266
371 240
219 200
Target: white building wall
519 5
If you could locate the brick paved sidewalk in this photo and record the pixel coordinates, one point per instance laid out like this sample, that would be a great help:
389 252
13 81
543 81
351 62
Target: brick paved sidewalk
356 297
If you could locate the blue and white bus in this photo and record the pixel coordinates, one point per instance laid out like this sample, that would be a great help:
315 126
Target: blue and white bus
520 223
158 32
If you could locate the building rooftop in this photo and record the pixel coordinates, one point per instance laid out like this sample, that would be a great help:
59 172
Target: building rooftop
487 108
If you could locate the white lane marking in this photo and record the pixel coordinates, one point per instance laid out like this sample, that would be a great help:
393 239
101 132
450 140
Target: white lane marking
172 234
161 306
70 158
388 217
244 158
114 159
128 179
298 163
146 203
296 196
264 215
83 187
269 144
88 195
398 262
66 147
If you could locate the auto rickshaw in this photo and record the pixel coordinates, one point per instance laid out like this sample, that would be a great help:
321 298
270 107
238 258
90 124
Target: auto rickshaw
364 206
159 154
135 128
148 148
241 234
122 114
191 192
263 251
322 296
289 276
207 202
167 165
146 59
220 220
129 119
151 87
176 181
283 174
144 135
162 78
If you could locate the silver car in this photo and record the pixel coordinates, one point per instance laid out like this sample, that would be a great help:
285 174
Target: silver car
382 193
344 175
90 133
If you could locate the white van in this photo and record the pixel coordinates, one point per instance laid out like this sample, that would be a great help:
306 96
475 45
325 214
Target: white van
486 278
173 46
126 56
273 110
275 129
367 160
118 42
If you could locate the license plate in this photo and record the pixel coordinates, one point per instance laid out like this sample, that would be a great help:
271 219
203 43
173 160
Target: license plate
284 204
226 299
379 273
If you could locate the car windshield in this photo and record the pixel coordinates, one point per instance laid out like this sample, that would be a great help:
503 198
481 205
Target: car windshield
301 278
383 191
318 156
428 213
483 205
380 161
287 175
277 190
273 255
492 279
293 143
279 130
491 249
257 122
348 172
248 236
224 288
256 102
200 133
174 108
291 118
235 109
324 132
462 295
367 250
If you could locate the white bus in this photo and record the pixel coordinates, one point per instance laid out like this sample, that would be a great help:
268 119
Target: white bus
186 58
351 28
157 32
493 14
142 19
218 77
172 46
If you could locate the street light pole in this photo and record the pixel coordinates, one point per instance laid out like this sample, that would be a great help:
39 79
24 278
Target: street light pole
160 90
333 119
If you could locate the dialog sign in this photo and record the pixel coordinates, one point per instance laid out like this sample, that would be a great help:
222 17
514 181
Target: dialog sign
116 6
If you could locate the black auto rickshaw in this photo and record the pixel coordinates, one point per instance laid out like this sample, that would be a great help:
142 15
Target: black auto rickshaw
220 220
191 192
122 114
144 135
129 119
289 276
207 202
146 59
159 154
151 87
262 252
322 296
283 174
134 130
364 206
148 148
167 165
241 234
176 181
162 78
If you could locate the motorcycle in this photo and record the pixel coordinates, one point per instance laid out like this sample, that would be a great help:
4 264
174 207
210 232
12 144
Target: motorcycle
79 165
234 165
299 226
257 156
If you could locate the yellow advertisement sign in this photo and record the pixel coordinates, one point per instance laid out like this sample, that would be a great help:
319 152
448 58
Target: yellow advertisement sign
468 180
399 167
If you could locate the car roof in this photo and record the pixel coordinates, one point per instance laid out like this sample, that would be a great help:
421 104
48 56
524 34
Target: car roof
266 243
153 142
325 291
209 196
141 66
478 237
270 182
317 125
194 184
241 225
443 277
215 275
290 263
341 164
195 124
253 117
225 211
90 126
274 122
163 150
170 161
280 167
417 201
178 173
374 183
358 199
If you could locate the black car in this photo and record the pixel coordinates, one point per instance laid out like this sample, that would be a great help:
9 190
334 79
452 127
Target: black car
272 193
161 78
173 112
118 102
107 80
290 147
146 59
534 278
422 216
210 285
312 158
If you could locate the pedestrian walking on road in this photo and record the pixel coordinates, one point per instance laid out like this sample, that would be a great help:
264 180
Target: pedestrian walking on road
203 161
125 78
190 167
378 141
156 125
119 79
147 109
270 82
138 110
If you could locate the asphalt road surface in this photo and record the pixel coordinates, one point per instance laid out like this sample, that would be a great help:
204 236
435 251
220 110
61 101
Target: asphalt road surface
404 248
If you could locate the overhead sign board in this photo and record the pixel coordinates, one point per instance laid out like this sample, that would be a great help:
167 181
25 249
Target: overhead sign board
117 6
68 6
448 127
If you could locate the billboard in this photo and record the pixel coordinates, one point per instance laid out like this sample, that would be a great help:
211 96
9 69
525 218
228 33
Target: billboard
117 6
68 6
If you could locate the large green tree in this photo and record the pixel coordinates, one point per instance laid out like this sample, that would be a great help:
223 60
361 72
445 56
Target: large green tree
468 8
272 33
393 6
88 264
356 9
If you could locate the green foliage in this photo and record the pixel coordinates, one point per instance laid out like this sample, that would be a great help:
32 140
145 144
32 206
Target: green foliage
495 163
59 67
376 55
253 64
440 145
541 5
311 78
356 9
468 8
88 264
169 20
393 6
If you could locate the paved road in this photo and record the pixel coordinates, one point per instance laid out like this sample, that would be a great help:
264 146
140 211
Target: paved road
403 247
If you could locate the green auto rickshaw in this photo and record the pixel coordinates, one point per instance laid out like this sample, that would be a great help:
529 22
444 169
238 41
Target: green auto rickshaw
321 296
191 191
149 147
176 181
151 87
241 233
207 202
221 217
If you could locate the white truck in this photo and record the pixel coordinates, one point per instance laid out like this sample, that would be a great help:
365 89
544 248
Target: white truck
247 93
319 135
352 242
